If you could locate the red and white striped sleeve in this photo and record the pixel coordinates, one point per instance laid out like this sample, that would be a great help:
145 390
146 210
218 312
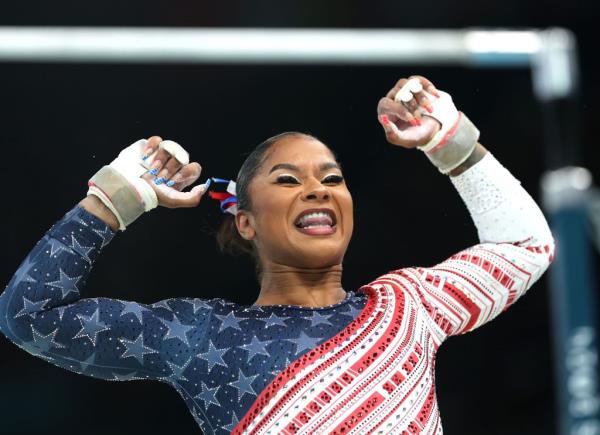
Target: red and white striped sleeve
516 247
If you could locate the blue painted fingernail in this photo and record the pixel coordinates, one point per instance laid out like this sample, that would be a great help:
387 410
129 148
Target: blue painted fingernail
170 183
159 180
146 156
153 171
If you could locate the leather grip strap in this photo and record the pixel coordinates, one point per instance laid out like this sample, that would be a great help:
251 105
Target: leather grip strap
455 147
123 197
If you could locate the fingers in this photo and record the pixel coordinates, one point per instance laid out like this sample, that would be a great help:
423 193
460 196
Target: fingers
425 83
152 173
169 176
413 106
410 95
399 84
154 164
151 146
172 198
412 137
414 94
186 176
396 111
168 171
422 101
401 112
405 94
392 133
170 195
164 157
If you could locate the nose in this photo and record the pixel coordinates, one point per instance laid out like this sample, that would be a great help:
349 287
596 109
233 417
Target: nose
315 192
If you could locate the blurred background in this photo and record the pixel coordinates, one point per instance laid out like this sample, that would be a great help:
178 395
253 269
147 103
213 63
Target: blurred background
62 121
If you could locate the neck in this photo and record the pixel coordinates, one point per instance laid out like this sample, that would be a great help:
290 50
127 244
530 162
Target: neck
284 285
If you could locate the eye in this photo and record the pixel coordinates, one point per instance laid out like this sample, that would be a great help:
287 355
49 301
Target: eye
287 179
333 179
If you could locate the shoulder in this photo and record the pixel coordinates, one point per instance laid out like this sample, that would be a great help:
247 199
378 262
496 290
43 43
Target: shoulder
398 279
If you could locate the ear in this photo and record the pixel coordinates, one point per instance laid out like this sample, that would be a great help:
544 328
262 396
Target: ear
244 222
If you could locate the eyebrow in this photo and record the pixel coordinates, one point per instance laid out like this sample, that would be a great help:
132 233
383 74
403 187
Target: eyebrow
323 167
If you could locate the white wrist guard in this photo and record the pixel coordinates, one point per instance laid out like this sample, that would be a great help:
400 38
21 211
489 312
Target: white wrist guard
455 140
120 187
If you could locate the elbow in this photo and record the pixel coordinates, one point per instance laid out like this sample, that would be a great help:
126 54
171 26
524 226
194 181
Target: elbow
542 242
547 250
552 249
541 250
549 244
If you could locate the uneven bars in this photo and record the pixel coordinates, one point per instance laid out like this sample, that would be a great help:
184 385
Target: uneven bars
223 45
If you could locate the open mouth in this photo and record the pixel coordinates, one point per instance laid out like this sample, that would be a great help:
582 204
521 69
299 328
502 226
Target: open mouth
316 222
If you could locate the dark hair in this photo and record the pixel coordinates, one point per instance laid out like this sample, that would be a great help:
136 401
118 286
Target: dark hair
228 238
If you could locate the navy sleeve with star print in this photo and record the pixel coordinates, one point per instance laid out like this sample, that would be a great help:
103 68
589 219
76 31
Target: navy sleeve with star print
42 310
218 355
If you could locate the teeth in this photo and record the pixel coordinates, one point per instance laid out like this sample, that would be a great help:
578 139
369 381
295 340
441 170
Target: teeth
315 215
323 220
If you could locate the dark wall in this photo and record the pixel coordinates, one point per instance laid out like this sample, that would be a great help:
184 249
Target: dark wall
60 123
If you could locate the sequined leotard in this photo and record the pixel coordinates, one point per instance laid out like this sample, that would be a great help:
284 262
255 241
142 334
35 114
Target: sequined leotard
362 365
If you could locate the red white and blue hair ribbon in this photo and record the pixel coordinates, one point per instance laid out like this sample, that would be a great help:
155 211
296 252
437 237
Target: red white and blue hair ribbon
228 199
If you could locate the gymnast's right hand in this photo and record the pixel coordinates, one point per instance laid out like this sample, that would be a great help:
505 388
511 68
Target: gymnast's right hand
145 175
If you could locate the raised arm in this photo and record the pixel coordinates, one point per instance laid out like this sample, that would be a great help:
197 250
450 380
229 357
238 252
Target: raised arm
516 246
42 310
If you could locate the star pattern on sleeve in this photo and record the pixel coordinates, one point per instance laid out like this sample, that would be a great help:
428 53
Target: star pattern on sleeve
136 348
256 347
304 342
354 311
198 304
133 308
91 326
106 235
81 222
177 371
273 320
208 395
84 251
317 319
243 385
286 362
61 312
213 356
65 283
42 343
56 247
162 304
30 308
234 422
229 321
175 329
22 273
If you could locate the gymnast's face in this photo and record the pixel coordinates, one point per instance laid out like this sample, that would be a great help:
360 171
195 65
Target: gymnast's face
301 208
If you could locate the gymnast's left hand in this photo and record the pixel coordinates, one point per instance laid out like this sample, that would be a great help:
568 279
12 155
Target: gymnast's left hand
403 123
174 177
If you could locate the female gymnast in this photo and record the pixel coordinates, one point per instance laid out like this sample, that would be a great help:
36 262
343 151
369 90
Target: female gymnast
307 356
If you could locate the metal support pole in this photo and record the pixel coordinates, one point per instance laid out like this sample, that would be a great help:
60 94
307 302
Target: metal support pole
566 194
